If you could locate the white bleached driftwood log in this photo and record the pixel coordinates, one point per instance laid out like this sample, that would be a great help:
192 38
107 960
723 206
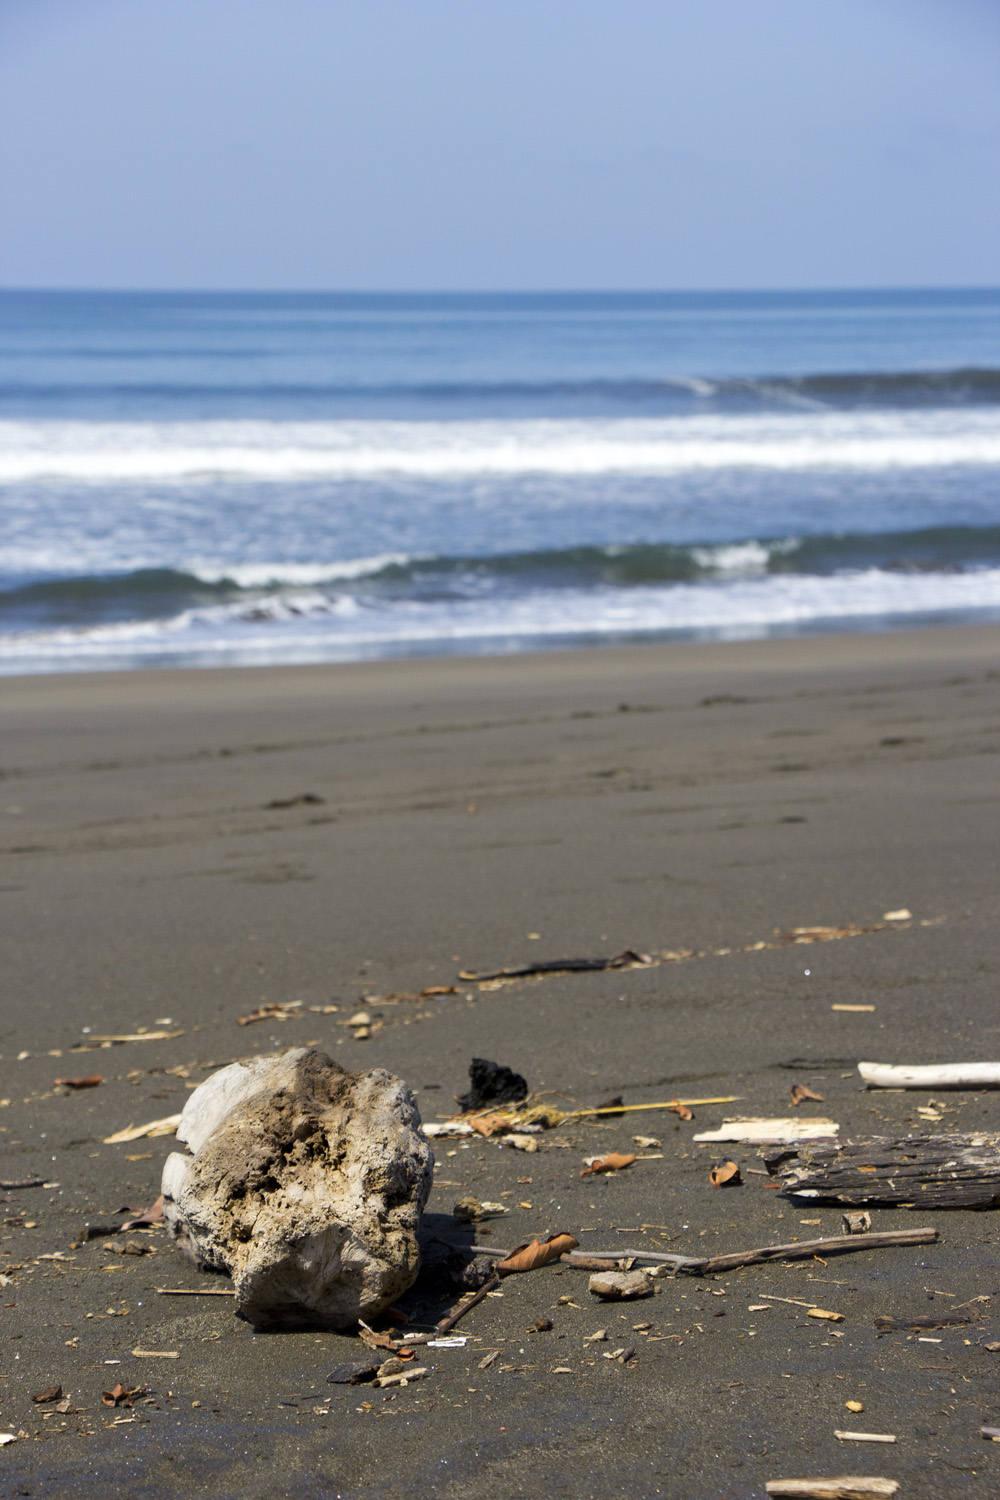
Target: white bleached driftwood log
306 1184
974 1075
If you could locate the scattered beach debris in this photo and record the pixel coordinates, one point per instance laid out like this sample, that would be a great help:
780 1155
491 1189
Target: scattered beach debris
763 1132
50 1393
167 1126
620 1286
902 915
630 959
491 1083
864 1437
157 1353
90 1082
287 1188
195 1291
800 1093
825 1315
857 1008
303 799
11 1184
278 1010
857 1221
934 1171
7 1437
844 1487
469 1210
725 1174
973 1075
537 1253
149 1218
615 1161
992 1434
536 1114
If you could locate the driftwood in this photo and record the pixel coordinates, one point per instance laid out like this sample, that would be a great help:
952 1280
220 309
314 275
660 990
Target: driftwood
980 1075
887 1324
934 1171
797 1250
765 1132
804 1249
846 1487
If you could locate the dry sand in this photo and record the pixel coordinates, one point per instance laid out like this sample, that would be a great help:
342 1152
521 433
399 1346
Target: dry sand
659 798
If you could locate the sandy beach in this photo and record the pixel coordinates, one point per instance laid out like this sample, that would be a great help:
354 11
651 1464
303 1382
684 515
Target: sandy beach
182 847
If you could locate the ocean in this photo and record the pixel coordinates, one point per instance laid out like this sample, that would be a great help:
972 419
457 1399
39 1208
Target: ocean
242 479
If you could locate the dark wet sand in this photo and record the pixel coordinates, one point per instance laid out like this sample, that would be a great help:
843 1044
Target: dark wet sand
657 797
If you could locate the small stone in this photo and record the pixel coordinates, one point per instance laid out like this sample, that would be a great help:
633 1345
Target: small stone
615 1286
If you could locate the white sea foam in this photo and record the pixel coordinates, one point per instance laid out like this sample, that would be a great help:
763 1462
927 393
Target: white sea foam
313 626
297 575
271 452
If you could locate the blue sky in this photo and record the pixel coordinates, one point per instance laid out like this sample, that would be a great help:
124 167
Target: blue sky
474 144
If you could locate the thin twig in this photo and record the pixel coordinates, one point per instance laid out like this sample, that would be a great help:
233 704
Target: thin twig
449 1322
807 1248
193 1291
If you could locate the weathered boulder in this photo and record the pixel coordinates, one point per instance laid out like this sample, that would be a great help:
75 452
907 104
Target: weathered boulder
306 1184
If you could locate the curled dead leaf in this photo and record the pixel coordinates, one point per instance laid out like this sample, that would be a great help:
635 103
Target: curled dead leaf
537 1253
726 1174
151 1216
681 1110
613 1162
122 1395
800 1092
90 1082
488 1124
374 1340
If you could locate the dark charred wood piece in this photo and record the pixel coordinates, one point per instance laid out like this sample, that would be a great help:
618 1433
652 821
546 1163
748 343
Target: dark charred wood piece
926 1172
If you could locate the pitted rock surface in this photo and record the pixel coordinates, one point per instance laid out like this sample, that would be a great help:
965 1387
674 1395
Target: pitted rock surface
306 1185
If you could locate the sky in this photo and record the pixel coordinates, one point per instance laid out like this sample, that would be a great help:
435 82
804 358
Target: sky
499 144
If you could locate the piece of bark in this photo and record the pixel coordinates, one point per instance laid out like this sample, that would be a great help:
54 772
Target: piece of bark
975 1075
306 1185
857 1221
935 1171
845 1487
886 1324
805 1249
627 960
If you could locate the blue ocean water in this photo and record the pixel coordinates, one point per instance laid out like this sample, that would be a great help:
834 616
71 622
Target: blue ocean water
210 479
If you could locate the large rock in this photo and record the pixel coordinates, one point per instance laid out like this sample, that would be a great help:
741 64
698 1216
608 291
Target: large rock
306 1184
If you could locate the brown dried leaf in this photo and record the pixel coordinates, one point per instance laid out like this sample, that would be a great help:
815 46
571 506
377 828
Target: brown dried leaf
613 1162
153 1215
800 1092
374 1340
51 1393
726 1174
487 1124
90 1082
537 1253
682 1110
122 1395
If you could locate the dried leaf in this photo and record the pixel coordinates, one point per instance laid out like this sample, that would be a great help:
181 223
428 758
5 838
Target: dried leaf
90 1082
488 1124
613 1162
825 1314
726 1174
800 1092
167 1126
150 1216
682 1110
51 1393
122 1395
374 1340
537 1253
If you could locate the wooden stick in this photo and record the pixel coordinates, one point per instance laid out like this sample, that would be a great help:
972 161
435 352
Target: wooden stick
192 1291
807 1248
446 1324
624 1109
